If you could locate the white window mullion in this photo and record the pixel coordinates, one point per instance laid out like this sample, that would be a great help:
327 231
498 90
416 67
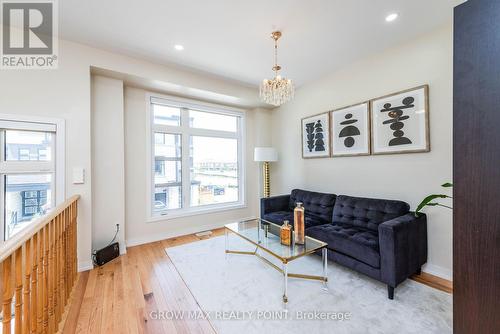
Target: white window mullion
54 190
185 154
2 186
241 161
151 171
56 196
188 104
213 133
166 128
27 167
28 126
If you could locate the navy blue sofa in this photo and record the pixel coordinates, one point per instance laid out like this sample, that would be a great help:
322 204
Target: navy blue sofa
377 237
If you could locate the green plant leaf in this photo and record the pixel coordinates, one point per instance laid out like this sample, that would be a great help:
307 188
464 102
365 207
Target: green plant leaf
427 202
447 185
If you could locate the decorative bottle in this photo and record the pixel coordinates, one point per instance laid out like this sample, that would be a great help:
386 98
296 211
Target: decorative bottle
286 233
298 224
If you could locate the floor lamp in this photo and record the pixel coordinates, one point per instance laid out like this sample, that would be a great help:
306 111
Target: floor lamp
265 155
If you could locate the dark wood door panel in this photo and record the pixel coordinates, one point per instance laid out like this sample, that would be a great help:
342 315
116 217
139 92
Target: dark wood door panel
476 167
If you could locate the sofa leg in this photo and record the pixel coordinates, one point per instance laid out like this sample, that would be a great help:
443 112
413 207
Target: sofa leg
419 271
390 292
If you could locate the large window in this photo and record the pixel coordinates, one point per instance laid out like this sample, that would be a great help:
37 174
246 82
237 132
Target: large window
27 173
196 157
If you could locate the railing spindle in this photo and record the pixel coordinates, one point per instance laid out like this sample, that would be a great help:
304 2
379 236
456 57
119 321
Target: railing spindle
7 294
26 287
66 263
45 233
62 276
34 293
18 279
73 249
75 244
61 264
40 287
51 276
56 272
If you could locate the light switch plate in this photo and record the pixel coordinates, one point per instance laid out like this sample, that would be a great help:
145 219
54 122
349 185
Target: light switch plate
78 175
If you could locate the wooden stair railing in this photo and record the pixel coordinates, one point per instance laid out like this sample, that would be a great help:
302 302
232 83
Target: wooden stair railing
38 270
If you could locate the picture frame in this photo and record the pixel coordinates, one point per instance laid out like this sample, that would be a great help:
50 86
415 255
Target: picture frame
351 130
315 139
400 122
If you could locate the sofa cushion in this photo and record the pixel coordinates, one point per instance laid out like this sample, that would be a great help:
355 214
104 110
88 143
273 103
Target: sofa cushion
279 216
352 241
315 204
366 213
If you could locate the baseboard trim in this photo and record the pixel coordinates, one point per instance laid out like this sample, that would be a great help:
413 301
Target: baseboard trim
174 234
438 271
85 265
434 282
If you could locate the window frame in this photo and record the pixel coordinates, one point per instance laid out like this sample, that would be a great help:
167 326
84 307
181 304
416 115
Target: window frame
186 131
56 166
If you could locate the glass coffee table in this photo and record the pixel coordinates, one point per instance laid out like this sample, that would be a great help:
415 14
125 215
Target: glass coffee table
264 236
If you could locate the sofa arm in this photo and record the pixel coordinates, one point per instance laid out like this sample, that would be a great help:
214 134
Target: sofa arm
403 247
273 204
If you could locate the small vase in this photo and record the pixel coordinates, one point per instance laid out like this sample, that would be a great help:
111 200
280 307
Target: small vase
286 233
298 224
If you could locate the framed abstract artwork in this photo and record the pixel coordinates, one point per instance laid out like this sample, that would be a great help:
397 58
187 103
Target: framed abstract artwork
351 130
316 136
400 122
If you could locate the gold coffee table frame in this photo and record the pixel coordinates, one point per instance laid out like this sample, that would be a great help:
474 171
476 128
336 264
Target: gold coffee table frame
298 251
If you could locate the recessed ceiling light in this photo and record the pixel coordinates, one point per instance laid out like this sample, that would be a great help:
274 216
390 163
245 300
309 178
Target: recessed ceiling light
391 17
178 47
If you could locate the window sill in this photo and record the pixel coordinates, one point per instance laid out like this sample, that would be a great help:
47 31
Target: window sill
193 212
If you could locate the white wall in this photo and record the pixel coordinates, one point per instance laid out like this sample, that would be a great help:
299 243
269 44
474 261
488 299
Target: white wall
138 229
108 162
62 93
408 177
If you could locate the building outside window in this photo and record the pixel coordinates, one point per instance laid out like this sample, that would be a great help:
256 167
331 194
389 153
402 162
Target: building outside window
42 154
33 202
27 173
24 154
196 157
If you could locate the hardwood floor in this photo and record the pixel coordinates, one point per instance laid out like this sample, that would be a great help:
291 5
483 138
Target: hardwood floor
119 296
434 281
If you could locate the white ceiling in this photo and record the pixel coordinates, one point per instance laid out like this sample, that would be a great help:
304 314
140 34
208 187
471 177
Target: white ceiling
230 38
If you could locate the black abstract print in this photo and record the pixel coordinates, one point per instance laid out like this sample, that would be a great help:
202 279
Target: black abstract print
315 137
349 131
396 120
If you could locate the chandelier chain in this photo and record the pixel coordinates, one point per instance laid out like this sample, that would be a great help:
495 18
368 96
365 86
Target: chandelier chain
277 90
275 68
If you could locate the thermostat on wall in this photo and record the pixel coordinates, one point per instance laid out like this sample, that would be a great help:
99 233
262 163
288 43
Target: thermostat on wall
78 175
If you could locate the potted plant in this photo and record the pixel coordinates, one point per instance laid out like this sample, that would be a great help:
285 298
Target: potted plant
430 200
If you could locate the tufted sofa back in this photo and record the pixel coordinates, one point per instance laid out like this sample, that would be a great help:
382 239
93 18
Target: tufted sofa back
315 204
367 213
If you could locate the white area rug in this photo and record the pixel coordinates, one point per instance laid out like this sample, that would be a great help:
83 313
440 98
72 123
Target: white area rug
244 287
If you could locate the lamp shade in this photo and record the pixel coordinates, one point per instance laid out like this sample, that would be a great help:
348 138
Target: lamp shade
265 154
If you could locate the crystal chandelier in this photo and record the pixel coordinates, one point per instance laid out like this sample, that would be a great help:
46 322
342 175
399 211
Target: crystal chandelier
278 90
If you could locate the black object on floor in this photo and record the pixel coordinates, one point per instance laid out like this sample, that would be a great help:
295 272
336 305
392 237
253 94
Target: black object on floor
107 254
